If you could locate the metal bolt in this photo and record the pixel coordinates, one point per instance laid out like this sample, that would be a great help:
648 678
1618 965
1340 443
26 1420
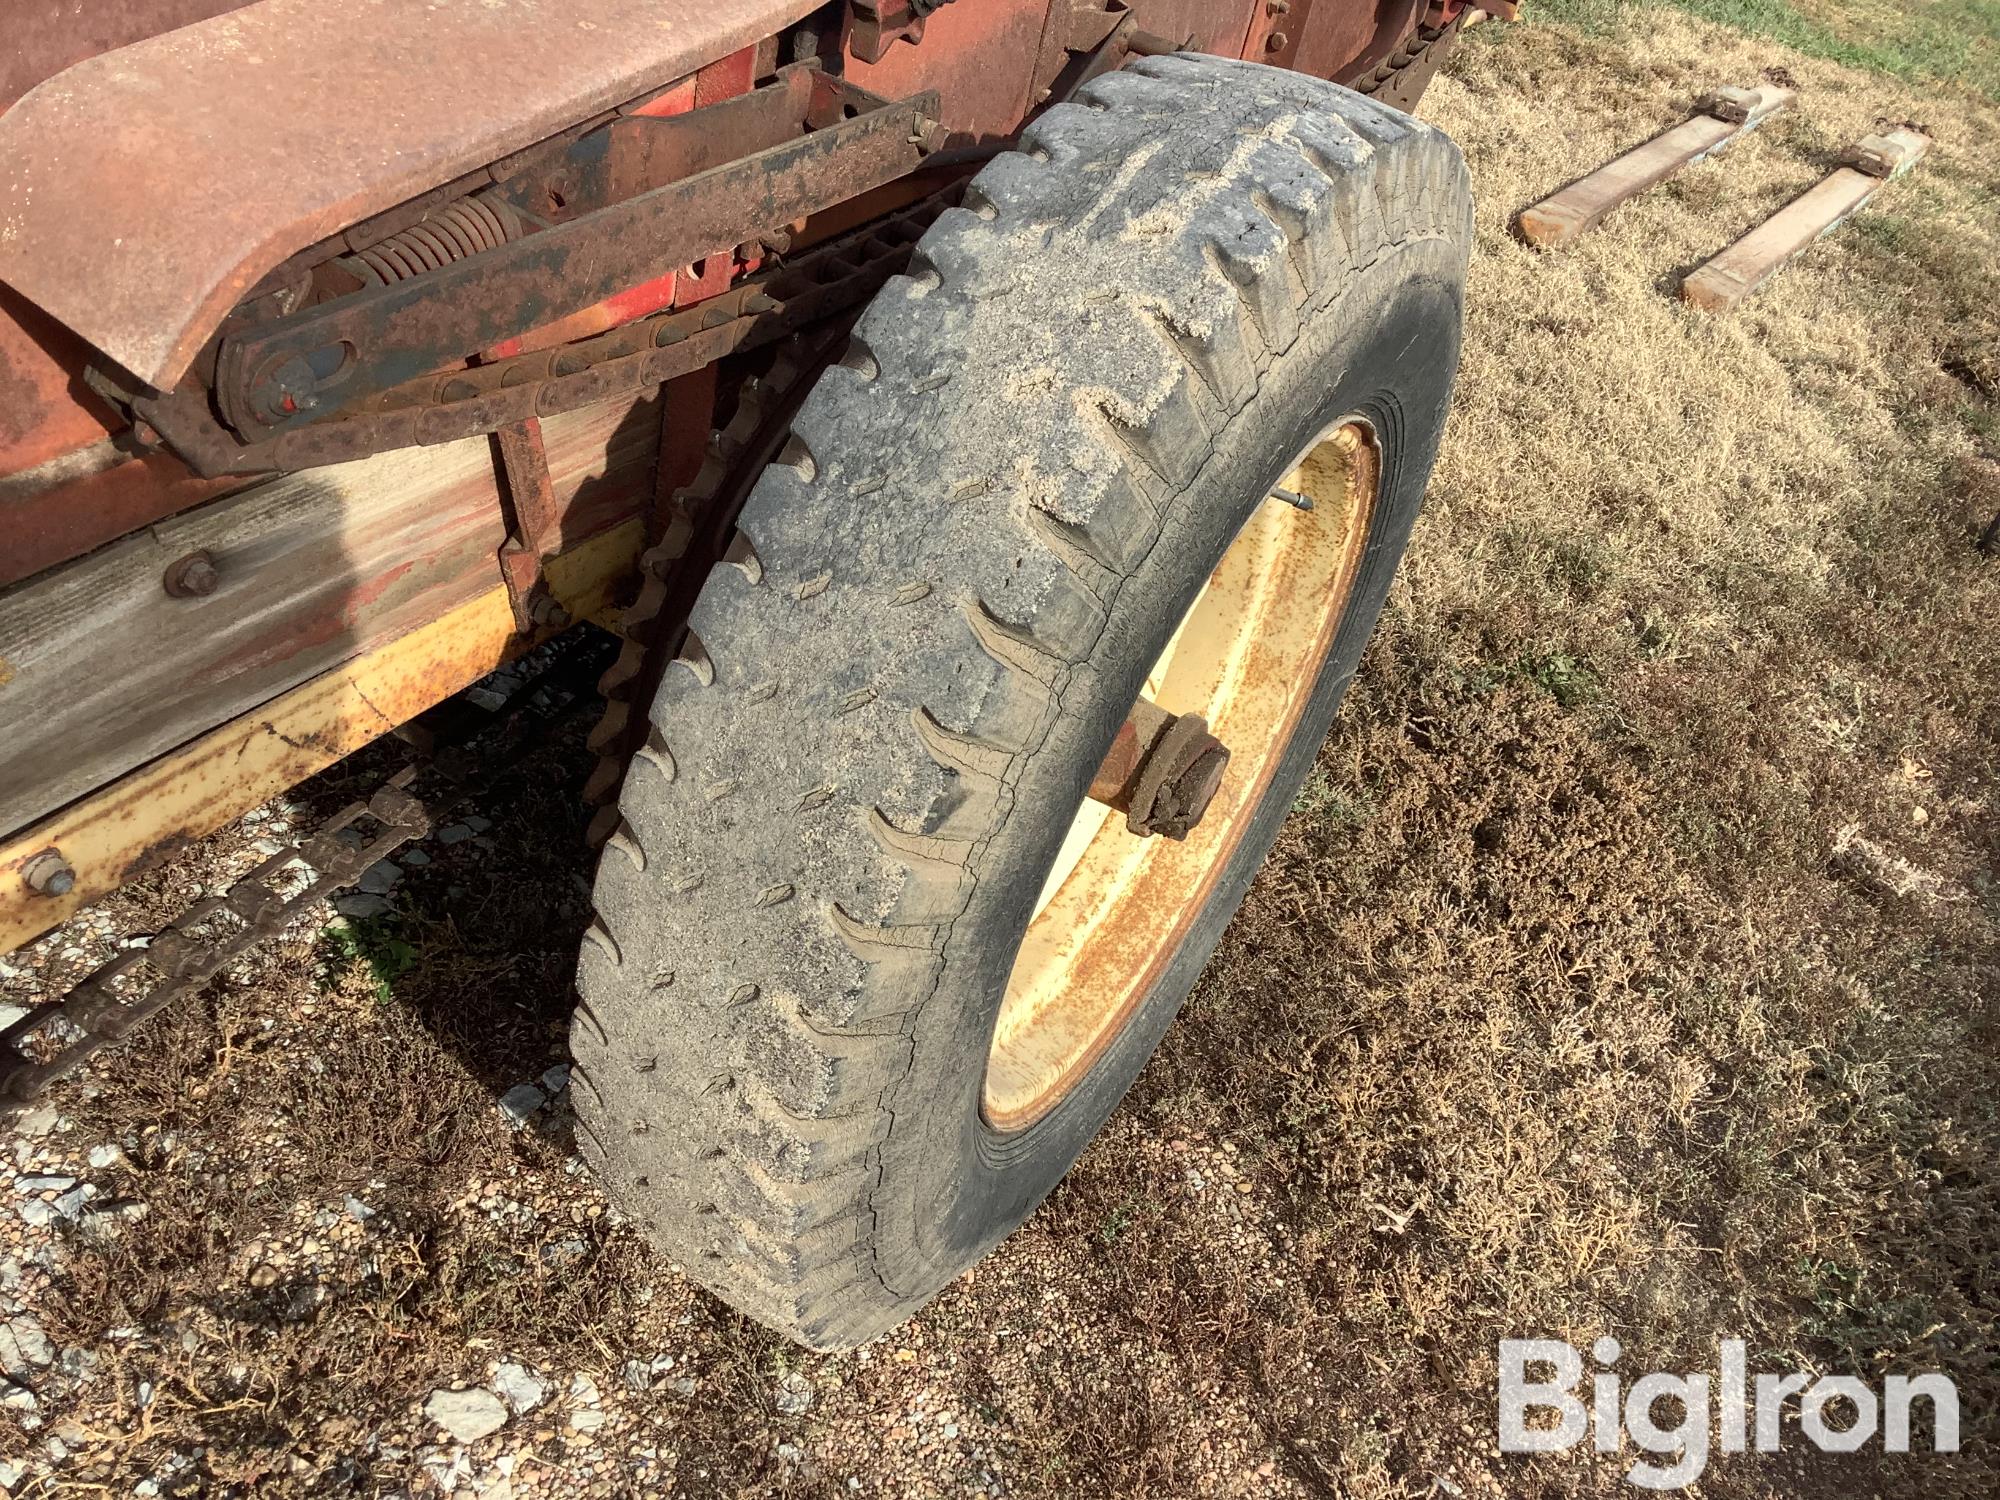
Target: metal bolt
284 390
49 874
193 576
1293 498
544 611
1162 771
1277 42
1277 7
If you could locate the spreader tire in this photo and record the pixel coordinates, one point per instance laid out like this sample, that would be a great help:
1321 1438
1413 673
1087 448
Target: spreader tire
994 514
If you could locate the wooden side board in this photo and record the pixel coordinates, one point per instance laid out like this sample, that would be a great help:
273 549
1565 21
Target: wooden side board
1724 117
1722 282
102 669
144 818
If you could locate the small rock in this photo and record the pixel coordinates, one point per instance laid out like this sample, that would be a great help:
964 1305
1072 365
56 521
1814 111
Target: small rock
585 1414
11 1475
478 825
44 1184
520 1386
416 859
37 1213
467 1415
19 1398
105 1156
453 833
71 1203
361 905
381 877
23 1346
521 1101
795 1395
9 1014
356 1208
556 1079
38 1122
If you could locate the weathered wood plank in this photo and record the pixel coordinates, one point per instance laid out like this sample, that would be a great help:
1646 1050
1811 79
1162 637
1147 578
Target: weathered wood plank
1725 280
1725 116
102 670
132 825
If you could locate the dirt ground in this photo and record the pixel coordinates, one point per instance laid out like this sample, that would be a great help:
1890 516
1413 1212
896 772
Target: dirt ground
1630 966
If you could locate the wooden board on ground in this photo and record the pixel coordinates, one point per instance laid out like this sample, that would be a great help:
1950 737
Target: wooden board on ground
1722 118
102 669
1719 284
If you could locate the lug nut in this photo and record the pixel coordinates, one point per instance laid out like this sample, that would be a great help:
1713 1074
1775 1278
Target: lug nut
1277 42
193 576
49 874
1161 771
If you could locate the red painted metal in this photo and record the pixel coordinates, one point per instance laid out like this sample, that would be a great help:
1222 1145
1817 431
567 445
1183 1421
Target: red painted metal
979 55
352 107
124 143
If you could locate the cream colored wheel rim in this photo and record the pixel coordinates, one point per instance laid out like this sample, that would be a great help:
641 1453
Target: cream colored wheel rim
1245 657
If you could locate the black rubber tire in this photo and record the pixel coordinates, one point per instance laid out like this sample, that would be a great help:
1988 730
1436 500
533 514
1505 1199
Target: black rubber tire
993 513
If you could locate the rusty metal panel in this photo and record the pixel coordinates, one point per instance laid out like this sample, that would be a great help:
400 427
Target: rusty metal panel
290 372
87 498
45 409
979 55
149 188
46 36
1342 39
1217 26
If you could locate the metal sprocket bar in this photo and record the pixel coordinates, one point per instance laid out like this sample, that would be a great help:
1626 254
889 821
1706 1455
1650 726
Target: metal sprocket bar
52 1041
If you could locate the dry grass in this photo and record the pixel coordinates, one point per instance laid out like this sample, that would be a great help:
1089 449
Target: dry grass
1629 966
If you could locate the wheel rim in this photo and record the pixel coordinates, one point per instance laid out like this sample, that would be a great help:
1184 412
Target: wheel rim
1245 656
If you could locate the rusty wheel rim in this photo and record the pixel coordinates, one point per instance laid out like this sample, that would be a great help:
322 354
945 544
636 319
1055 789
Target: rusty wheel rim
1246 657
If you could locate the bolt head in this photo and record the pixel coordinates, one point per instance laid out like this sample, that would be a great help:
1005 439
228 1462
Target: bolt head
284 389
49 874
193 576
1276 42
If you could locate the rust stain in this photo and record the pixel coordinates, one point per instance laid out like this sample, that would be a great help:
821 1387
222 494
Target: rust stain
155 854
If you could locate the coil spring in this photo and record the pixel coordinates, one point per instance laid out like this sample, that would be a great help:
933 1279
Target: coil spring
461 228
